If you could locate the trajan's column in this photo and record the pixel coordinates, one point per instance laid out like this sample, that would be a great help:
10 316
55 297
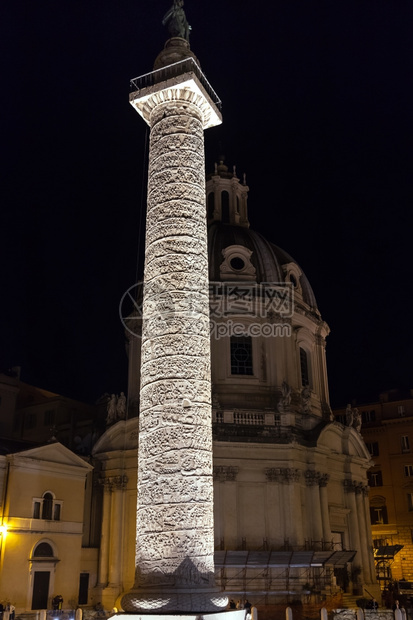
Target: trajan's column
175 538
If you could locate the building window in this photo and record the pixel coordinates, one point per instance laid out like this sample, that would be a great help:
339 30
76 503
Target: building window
405 443
378 510
43 550
410 501
47 507
401 410
31 421
304 367
16 422
56 512
36 510
408 470
225 207
380 542
241 355
378 515
83 588
373 448
49 417
375 479
368 416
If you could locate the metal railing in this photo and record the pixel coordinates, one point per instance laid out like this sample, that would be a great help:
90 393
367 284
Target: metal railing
188 65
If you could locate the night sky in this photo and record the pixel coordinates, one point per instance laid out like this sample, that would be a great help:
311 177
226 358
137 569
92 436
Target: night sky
317 105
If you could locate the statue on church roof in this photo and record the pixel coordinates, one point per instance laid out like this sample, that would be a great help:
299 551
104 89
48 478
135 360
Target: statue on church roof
175 21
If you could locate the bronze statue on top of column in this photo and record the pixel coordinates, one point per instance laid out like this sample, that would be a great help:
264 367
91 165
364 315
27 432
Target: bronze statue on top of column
176 22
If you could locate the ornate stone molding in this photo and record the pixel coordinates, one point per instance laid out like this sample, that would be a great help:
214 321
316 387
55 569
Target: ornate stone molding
223 473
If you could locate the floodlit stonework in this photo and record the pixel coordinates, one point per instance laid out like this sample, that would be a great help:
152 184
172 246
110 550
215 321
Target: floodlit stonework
174 525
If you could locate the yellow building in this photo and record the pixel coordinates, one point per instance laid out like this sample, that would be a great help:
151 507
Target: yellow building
42 537
387 429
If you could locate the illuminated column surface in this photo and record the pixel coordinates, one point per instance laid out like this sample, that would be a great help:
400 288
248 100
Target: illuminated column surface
175 537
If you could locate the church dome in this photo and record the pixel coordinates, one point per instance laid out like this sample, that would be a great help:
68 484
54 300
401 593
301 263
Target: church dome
235 252
270 263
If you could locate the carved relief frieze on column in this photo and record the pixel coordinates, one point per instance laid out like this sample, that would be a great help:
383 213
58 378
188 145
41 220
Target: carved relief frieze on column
224 473
283 475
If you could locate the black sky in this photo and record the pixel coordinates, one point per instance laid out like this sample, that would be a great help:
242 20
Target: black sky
317 104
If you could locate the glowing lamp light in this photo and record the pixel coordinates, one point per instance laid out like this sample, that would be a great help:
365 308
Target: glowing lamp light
3 530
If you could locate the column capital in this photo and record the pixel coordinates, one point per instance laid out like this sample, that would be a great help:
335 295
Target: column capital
323 480
311 478
224 473
283 475
352 486
113 483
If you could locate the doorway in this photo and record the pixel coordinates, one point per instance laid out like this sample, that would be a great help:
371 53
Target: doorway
41 583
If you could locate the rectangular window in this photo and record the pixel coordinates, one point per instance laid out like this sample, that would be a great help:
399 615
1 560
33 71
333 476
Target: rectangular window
378 515
408 470
83 588
16 422
375 479
410 501
36 510
401 410
241 355
368 416
49 417
405 443
379 542
373 448
56 512
31 420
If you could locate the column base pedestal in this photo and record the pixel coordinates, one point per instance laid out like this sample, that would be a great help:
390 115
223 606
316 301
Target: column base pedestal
163 601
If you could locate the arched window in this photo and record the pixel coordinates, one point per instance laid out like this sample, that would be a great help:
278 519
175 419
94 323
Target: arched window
225 207
305 375
47 509
43 550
